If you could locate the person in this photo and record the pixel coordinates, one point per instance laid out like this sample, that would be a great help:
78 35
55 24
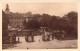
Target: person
18 39
47 48
52 36
39 40
27 48
48 37
10 39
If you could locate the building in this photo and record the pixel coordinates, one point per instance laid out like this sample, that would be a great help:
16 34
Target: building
7 11
16 20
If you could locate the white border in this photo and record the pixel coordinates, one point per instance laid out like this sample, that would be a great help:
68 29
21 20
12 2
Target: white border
25 1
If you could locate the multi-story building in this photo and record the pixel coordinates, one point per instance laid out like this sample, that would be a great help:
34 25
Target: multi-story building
16 20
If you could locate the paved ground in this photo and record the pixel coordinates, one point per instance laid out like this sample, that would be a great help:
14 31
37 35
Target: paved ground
53 44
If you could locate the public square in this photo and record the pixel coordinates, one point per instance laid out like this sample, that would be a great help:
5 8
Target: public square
53 44
39 26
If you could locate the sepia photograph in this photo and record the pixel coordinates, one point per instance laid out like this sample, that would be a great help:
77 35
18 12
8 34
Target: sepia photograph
52 25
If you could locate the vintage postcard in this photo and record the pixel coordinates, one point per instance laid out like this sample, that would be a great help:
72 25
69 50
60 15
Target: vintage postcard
45 25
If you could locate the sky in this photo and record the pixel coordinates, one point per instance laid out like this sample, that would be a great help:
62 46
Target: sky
58 9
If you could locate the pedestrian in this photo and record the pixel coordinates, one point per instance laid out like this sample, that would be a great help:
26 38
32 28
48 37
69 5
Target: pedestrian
18 39
47 48
39 40
11 39
27 48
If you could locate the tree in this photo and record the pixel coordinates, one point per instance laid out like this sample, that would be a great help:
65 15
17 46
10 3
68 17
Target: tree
32 24
73 21
24 23
72 16
4 27
53 23
45 20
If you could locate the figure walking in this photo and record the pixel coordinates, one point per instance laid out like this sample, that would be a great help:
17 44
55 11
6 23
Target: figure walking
39 40
27 48
18 39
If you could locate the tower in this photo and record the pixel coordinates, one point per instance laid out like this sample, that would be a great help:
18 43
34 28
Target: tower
7 11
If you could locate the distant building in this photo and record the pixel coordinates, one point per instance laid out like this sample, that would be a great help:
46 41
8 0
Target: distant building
16 20
7 11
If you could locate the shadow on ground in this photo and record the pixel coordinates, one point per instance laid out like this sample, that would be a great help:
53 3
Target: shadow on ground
10 45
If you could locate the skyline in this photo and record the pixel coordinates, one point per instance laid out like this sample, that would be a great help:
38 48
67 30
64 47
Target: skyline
58 9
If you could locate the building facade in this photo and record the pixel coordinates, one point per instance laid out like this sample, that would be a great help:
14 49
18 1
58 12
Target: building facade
7 11
16 20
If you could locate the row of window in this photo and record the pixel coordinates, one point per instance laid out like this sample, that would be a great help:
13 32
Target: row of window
16 24
16 19
19 19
